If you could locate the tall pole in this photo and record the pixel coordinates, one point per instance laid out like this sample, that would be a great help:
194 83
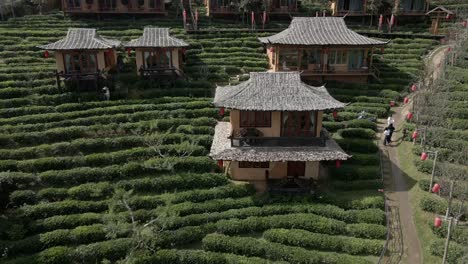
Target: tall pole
12 9
433 172
447 241
447 214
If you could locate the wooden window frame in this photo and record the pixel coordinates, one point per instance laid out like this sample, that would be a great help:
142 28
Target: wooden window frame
73 53
254 165
300 132
254 123
158 54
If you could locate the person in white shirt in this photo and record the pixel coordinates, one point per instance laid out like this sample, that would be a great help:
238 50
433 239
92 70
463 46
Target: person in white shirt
386 136
390 120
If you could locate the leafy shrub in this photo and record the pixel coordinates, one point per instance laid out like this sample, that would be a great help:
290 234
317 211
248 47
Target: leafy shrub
21 197
371 231
358 145
355 172
361 123
302 238
254 247
357 133
456 251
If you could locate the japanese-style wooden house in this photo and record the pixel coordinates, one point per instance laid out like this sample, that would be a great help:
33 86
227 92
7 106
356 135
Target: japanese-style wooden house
437 14
411 7
83 55
272 7
275 138
114 7
322 48
158 54
349 7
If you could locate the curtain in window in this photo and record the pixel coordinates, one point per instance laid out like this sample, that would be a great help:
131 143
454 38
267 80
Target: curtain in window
355 59
418 5
355 5
298 124
341 5
157 59
407 5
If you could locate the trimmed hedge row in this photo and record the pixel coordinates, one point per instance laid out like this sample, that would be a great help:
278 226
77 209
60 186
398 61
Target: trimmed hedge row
254 247
184 256
358 145
306 239
357 133
456 251
355 172
438 205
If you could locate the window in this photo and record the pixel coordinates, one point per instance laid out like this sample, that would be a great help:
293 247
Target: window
355 59
156 4
312 56
288 59
157 59
107 4
337 57
299 124
255 119
73 3
254 165
80 62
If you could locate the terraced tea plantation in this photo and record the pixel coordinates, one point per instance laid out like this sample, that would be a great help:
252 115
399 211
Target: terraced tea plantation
69 160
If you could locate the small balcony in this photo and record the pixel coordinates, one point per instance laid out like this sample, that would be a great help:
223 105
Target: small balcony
76 75
162 73
253 138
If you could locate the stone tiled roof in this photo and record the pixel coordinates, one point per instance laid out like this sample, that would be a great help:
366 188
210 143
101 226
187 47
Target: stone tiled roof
320 31
156 37
275 91
221 150
82 39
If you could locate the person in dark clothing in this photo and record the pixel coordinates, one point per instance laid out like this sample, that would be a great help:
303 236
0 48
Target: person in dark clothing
391 128
386 136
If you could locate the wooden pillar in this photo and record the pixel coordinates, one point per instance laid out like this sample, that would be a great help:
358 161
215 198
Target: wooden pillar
371 56
325 52
299 58
366 51
277 55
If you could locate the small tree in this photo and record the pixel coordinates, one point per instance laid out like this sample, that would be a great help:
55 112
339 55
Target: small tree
373 7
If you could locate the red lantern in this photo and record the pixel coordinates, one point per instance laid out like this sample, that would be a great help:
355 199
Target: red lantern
335 114
409 116
424 156
436 188
414 87
414 135
392 103
406 100
465 23
437 222
220 163
184 50
46 54
338 163
271 49
221 111
128 51
449 49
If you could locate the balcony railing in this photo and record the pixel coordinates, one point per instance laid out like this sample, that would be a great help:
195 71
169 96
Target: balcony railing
78 75
283 141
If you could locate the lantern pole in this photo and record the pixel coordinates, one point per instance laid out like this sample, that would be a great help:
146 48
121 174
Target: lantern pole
447 241
447 214
433 167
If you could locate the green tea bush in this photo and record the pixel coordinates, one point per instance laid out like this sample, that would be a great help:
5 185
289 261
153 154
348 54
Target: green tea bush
316 241
357 133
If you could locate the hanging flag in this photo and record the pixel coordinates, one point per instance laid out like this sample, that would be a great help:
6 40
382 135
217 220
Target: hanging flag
380 22
184 15
264 19
392 20
196 17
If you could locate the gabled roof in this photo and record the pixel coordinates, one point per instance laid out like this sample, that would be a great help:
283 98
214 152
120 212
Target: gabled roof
275 91
221 149
82 39
319 31
156 37
440 9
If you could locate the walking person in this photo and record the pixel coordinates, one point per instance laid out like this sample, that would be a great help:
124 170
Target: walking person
391 128
386 134
390 120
